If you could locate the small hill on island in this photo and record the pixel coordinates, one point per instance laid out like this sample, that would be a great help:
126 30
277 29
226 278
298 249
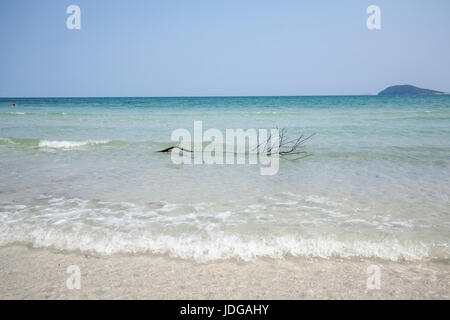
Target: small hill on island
407 90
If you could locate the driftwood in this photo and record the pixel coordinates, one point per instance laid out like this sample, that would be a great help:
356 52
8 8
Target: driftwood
173 147
285 148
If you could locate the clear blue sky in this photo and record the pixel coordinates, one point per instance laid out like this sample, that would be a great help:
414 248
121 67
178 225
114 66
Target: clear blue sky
221 47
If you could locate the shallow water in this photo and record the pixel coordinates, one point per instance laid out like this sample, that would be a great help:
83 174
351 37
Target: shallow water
84 174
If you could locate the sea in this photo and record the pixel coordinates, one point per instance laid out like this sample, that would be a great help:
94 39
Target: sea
84 175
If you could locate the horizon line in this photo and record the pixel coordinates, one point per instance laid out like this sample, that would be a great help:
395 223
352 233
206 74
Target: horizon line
193 96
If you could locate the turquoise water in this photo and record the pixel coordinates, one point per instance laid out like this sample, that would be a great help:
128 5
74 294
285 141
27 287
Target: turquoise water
83 174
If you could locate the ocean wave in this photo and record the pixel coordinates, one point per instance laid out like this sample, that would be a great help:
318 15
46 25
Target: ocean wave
218 246
69 144
196 232
42 143
16 113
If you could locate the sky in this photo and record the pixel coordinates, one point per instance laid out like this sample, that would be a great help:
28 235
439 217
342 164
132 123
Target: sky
144 48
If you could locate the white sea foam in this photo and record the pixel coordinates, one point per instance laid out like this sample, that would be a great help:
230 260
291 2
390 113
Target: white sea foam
13 207
321 200
212 247
168 207
286 203
68 144
124 227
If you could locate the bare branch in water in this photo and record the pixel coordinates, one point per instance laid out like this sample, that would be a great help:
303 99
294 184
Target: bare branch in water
286 147
174 147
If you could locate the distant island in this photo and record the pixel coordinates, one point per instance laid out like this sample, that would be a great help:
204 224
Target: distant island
407 90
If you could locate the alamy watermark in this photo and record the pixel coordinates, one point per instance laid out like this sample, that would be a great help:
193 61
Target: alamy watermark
74 20
373 22
74 280
262 147
374 279
237 147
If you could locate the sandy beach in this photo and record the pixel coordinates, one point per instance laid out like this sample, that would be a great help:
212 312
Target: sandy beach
29 273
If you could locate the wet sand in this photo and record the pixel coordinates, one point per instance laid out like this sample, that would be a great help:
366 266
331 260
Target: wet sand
29 273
